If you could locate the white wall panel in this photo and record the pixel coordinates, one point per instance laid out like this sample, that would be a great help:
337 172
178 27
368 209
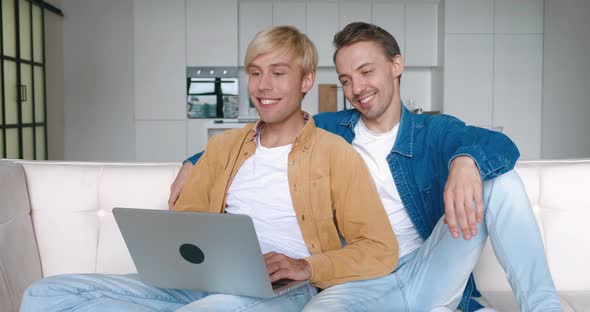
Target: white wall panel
469 78
205 46
253 17
322 23
469 16
159 59
518 71
161 141
391 17
290 13
518 17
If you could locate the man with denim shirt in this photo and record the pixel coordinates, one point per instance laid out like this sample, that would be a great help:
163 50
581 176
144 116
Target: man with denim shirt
434 169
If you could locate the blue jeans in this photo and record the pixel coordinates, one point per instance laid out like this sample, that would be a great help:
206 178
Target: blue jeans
436 274
99 292
432 276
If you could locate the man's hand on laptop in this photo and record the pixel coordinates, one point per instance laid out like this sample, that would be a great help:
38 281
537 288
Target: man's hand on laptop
280 266
179 183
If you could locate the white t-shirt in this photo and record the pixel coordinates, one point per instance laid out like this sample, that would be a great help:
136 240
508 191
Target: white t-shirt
260 190
374 149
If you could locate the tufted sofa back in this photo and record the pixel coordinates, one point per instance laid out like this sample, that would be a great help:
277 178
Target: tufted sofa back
559 192
74 231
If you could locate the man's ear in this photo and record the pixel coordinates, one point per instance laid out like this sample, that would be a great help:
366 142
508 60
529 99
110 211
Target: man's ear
307 82
398 65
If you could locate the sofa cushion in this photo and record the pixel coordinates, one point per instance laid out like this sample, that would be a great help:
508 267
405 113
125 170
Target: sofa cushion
71 207
505 301
578 300
19 267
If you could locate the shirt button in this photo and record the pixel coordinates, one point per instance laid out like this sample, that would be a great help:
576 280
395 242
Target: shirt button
246 154
302 217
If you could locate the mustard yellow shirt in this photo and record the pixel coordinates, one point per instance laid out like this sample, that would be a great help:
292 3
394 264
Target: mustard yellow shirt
332 193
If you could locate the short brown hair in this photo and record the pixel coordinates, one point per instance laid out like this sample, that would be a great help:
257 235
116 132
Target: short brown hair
287 38
359 31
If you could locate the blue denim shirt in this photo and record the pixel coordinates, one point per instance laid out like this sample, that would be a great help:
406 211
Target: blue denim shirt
420 160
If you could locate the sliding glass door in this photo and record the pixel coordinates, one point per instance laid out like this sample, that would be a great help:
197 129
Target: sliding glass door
23 127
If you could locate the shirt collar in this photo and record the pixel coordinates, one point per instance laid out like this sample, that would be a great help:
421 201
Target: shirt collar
303 139
405 135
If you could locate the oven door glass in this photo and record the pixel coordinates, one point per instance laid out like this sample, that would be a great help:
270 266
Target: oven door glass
212 97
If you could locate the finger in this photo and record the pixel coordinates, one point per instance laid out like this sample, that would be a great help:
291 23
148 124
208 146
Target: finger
173 198
461 217
268 257
271 268
470 212
280 274
450 215
479 204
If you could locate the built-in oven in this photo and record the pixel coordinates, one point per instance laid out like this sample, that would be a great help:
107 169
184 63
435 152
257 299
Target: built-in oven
212 92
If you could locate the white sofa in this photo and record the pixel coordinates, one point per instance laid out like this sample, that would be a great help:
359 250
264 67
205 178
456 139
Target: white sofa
55 217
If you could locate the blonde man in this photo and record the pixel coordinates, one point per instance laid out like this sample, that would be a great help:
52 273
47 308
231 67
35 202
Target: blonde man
303 187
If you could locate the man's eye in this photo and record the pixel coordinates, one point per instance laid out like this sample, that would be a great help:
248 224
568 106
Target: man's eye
279 73
366 72
254 73
344 82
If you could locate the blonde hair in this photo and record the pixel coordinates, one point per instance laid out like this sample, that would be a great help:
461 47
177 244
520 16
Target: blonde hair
287 38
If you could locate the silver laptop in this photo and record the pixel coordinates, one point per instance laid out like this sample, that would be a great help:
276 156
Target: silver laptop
216 253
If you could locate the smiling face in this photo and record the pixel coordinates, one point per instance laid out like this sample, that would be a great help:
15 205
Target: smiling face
370 81
276 86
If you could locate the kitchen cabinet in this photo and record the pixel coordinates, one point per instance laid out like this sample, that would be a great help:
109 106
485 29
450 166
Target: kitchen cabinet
159 60
413 24
518 17
421 40
518 72
290 13
253 17
391 17
469 16
354 11
468 77
211 36
196 135
322 23
160 140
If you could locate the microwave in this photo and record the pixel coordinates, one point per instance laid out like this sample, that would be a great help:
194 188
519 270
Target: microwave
212 92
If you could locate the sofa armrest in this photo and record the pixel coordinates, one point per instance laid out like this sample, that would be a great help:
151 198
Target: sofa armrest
19 257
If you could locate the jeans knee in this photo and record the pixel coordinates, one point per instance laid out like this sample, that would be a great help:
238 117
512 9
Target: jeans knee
507 186
507 182
49 286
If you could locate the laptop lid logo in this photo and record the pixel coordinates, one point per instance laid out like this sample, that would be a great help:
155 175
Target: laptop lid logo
192 253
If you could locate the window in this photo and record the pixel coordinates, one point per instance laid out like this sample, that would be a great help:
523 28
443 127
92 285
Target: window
23 125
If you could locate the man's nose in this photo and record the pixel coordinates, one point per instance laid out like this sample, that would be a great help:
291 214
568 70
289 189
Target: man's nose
358 86
264 83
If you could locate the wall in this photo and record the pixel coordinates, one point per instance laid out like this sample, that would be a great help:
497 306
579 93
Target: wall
512 79
54 66
566 80
493 67
98 80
